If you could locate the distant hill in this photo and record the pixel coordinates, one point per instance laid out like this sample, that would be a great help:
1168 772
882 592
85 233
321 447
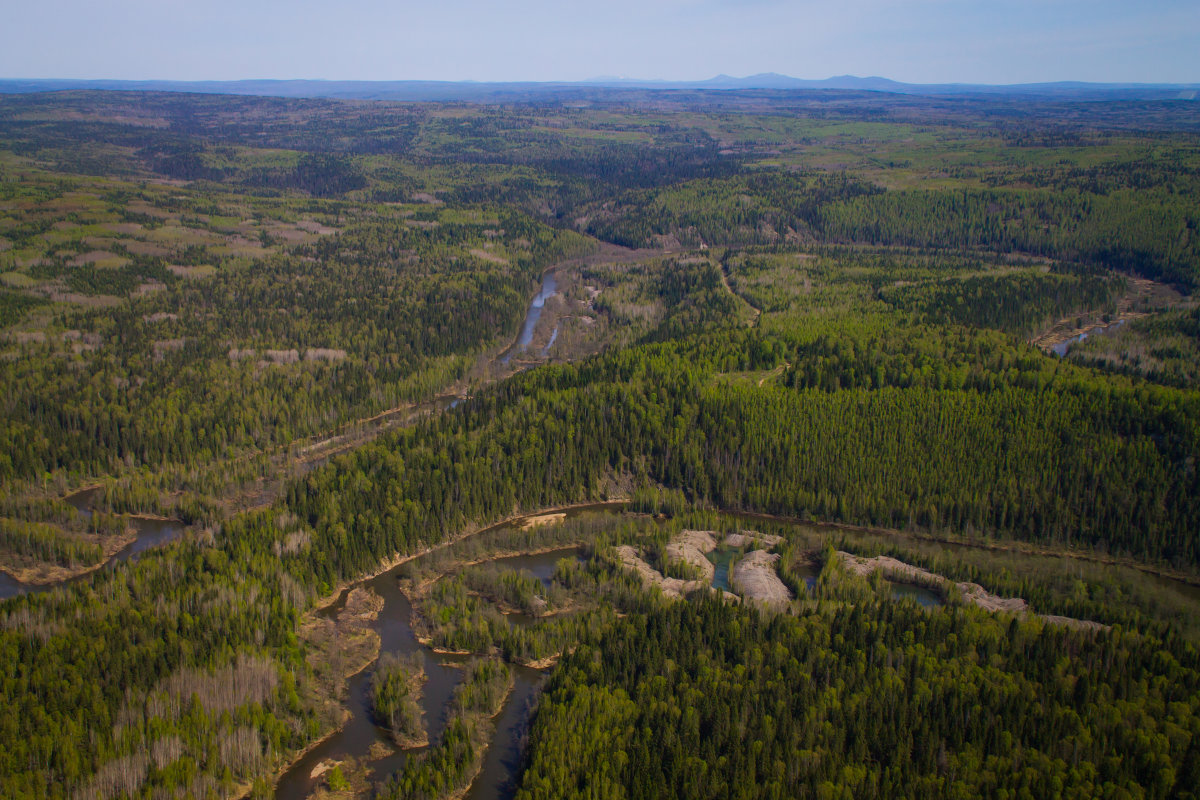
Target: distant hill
471 91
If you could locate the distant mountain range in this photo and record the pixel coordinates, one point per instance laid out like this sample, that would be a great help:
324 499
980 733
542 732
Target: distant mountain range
773 80
472 91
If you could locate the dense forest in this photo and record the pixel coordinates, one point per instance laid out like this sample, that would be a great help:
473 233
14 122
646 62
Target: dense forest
322 337
703 699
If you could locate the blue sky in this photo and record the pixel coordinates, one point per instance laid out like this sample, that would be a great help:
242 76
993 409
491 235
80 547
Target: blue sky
921 41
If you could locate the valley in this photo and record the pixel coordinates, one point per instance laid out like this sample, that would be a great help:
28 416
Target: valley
685 443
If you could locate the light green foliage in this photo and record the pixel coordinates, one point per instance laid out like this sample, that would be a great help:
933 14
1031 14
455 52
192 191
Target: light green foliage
830 326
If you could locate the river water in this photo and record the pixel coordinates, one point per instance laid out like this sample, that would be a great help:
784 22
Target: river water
496 780
549 288
360 732
500 770
1061 348
150 533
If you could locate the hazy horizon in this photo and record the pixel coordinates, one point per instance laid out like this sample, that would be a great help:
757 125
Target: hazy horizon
606 80
920 42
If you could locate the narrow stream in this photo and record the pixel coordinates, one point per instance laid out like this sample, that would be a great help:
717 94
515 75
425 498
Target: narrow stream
360 732
150 533
549 344
11 587
497 777
1061 348
539 565
549 288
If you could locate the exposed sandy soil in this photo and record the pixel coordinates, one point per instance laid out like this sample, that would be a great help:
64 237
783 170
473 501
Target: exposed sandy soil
202 271
747 538
540 663
542 519
758 581
893 568
1067 329
1142 294
38 573
486 256
690 547
754 576
971 592
671 587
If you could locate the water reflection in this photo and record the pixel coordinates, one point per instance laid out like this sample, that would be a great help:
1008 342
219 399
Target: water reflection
360 732
919 594
1061 348
549 288
150 533
498 774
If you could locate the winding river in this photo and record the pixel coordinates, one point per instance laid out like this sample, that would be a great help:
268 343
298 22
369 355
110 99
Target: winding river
549 289
1062 347
496 779
500 769
150 533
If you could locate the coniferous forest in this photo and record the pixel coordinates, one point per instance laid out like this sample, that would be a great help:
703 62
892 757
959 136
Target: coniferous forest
689 444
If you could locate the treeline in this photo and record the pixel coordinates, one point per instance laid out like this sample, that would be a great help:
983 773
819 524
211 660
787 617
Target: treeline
1147 233
1165 169
705 699
13 306
1162 347
383 314
1021 303
395 695
320 175
131 680
766 207
1055 455
449 767
47 544
1040 455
